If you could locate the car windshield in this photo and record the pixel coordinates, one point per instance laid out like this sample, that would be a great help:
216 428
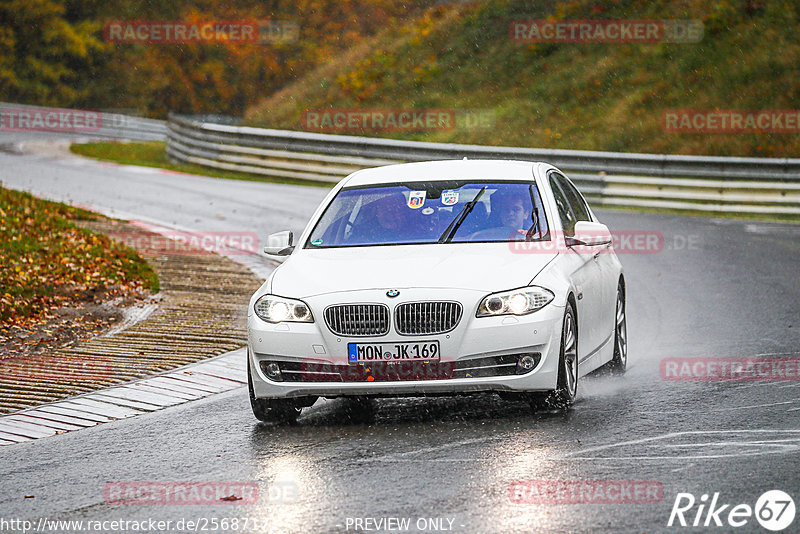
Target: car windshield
431 212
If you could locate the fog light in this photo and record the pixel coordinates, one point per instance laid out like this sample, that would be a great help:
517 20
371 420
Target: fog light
526 363
272 370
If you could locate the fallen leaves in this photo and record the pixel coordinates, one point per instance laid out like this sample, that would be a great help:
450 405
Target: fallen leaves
47 262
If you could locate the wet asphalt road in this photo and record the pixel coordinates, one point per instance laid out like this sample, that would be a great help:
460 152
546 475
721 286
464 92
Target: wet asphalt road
720 288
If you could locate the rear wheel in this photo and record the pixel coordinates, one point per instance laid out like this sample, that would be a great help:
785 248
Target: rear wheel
620 361
567 384
279 411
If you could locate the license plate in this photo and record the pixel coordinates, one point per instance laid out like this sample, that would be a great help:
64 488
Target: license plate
389 351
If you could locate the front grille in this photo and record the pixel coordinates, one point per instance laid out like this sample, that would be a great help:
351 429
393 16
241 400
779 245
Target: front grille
358 319
420 318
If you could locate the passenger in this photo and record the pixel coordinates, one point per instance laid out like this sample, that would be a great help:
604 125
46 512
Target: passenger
508 218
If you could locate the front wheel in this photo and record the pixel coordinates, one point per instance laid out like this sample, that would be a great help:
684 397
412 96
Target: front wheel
567 384
278 411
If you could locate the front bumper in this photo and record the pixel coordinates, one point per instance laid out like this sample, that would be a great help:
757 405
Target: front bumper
315 344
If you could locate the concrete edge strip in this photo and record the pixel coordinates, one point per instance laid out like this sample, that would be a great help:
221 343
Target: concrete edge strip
170 388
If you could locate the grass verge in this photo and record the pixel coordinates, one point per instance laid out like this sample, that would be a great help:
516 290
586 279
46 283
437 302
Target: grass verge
154 154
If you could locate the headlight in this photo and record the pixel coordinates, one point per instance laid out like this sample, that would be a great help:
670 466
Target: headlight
274 309
515 302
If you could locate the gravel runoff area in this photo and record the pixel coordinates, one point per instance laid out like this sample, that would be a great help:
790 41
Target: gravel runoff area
201 313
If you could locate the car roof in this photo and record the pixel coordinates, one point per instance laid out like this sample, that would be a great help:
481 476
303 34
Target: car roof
500 170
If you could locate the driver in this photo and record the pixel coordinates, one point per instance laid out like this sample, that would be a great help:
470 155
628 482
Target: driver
385 220
391 213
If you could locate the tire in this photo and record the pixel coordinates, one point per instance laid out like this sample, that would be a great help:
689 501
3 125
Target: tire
278 411
619 362
567 383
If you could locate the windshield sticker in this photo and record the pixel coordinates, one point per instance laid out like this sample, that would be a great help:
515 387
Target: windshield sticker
427 211
416 199
316 242
449 198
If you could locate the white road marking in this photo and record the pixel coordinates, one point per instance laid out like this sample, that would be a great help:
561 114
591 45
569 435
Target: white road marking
140 170
753 385
793 353
667 442
793 401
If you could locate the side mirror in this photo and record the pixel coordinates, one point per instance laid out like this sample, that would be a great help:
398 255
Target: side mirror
280 243
590 234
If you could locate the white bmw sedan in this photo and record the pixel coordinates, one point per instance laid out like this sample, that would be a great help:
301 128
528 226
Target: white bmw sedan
446 277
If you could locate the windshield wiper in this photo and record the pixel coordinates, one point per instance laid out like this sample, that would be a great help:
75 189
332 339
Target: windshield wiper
454 225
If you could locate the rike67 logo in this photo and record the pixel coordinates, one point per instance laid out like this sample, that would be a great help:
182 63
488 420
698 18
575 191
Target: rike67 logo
774 511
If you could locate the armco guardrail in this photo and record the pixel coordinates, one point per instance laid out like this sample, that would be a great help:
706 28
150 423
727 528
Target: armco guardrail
25 118
694 183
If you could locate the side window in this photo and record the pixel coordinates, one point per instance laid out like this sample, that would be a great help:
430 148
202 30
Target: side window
574 198
564 209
